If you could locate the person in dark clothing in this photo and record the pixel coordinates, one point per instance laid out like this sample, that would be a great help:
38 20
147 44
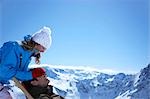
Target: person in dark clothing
38 87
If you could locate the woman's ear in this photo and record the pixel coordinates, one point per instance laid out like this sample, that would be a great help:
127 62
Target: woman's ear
34 82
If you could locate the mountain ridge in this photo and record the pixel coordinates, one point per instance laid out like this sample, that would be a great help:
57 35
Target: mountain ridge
84 84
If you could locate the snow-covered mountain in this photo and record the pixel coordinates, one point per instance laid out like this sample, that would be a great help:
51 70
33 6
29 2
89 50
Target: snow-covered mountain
141 86
93 84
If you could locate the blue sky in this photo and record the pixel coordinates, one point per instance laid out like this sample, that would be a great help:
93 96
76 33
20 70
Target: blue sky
100 33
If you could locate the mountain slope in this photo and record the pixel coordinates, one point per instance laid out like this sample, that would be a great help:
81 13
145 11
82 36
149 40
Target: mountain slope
141 87
85 84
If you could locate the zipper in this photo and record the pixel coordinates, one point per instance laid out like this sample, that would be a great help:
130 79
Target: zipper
20 60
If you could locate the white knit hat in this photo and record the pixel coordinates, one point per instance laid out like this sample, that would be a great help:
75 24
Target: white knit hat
43 37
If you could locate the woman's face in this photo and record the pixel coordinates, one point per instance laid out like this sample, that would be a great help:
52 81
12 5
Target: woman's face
40 48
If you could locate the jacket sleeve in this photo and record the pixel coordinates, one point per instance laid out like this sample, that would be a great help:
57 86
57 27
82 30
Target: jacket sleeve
8 63
24 75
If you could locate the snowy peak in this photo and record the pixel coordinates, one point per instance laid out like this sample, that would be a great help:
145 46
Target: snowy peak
140 89
84 84
145 73
143 84
143 76
92 84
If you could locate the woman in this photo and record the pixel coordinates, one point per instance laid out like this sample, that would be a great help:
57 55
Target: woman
15 58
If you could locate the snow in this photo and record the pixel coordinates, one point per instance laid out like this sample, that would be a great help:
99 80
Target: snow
137 77
109 80
88 83
124 96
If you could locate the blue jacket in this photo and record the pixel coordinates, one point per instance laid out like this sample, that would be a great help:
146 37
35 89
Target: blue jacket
14 61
